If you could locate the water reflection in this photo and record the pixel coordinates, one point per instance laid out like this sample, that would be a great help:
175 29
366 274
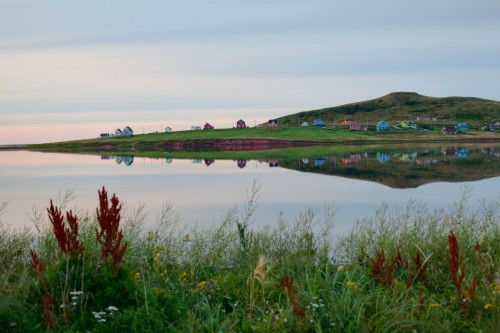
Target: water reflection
398 169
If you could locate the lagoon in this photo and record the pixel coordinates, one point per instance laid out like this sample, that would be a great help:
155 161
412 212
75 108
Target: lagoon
203 189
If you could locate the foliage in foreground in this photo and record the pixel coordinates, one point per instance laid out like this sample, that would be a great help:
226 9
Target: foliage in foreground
411 270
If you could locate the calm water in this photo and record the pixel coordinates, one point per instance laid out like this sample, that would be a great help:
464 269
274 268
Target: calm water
204 190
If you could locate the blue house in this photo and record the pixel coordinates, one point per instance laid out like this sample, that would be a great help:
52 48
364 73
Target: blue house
319 122
383 126
462 127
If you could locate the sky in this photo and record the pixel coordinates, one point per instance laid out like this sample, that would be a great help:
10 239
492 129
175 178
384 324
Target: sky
75 69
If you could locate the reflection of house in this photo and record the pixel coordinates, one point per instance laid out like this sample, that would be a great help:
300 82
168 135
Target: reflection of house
168 130
208 126
208 162
241 163
495 152
462 127
463 152
319 162
347 122
319 122
426 162
241 124
273 163
128 160
118 132
449 151
383 157
168 160
305 161
305 124
408 157
383 126
196 161
449 130
127 131
272 123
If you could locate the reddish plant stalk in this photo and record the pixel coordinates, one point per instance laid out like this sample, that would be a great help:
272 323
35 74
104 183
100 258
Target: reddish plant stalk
48 306
287 284
420 267
67 237
381 272
109 234
457 269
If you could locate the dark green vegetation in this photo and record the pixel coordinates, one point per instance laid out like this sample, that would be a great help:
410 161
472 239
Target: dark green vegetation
400 106
403 270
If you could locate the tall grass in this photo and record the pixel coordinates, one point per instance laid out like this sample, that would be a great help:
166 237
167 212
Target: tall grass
398 271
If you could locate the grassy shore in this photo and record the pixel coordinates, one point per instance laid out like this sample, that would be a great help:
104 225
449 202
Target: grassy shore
292 135
403 270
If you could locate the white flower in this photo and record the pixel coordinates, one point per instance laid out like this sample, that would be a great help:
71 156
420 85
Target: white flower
102 320
315 305
112 308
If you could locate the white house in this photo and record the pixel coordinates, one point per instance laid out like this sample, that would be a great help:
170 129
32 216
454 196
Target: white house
196 128
168 130
118 132
305 124
127 131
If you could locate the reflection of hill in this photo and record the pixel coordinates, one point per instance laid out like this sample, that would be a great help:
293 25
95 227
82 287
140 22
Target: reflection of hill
405 170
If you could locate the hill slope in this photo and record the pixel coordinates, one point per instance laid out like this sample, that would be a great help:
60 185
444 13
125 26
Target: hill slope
398 106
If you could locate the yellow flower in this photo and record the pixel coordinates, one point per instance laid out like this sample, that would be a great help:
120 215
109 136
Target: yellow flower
487 306
202 284
341 269
137 277
351 284
496 288
435 305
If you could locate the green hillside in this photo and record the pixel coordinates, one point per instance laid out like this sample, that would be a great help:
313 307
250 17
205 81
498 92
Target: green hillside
399 106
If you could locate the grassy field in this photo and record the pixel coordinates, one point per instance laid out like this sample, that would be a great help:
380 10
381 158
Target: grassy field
406 269
318 135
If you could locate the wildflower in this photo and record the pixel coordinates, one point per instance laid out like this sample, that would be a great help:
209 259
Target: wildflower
137 277
112 308
341 269
202 284
351 284
315 305
487 306
435 305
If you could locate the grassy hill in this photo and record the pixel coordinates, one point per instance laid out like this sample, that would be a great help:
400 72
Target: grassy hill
399 106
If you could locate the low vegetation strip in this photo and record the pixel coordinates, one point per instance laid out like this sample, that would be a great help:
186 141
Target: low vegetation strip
402 270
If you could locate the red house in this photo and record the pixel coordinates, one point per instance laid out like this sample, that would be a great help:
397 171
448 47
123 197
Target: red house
241 124
208 126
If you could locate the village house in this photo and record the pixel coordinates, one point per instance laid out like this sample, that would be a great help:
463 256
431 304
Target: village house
104 135
495 126
319 122
241 124
241 163
168 130
196 128
383 126
408 124
305 124
208 126
118 132
347 122
272 123
462 127
127 131
354 126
